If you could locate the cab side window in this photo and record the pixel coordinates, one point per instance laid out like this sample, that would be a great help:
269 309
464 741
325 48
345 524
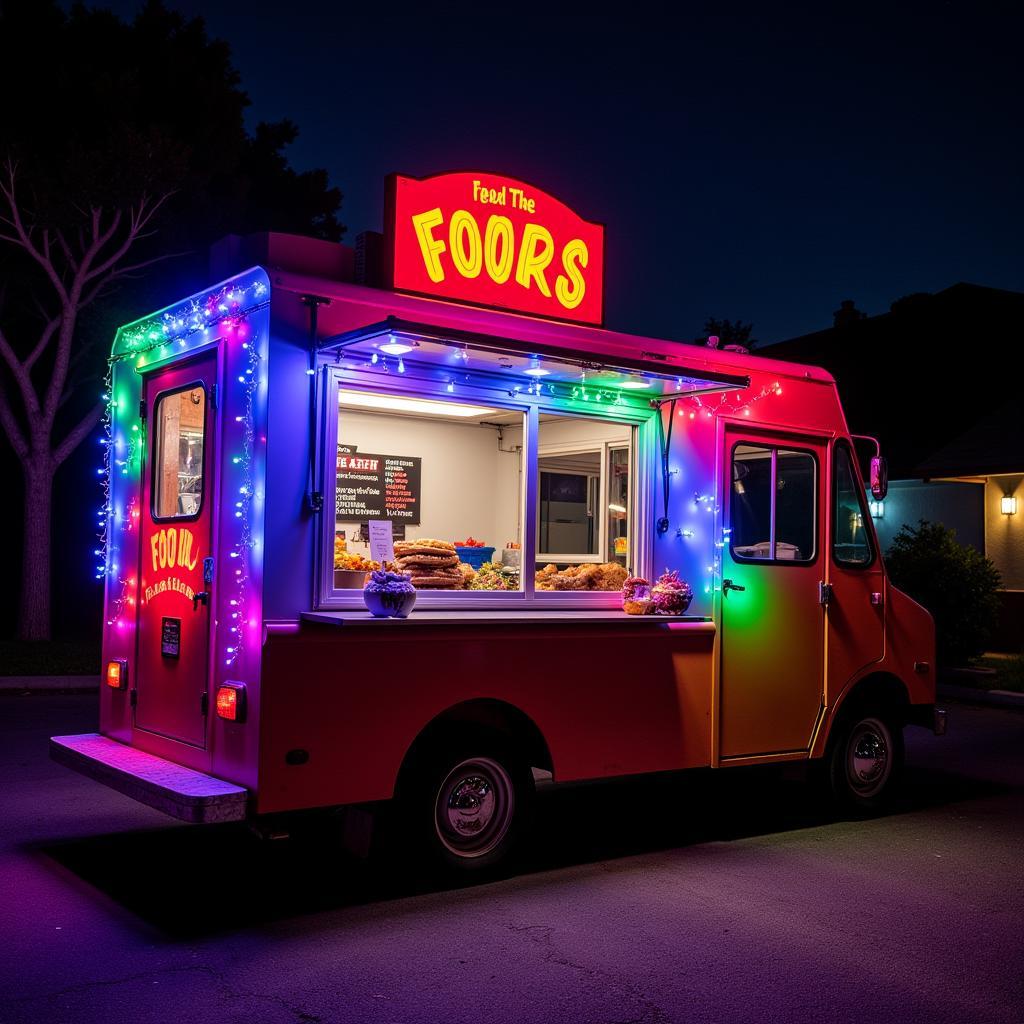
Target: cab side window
773 504
851 537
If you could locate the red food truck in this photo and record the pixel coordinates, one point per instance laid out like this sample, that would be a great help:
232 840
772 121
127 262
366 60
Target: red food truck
446 402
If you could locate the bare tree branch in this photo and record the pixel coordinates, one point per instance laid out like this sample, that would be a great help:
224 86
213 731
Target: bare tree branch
12 430
138 220
24 237
66 249
21 375
40 345
77 434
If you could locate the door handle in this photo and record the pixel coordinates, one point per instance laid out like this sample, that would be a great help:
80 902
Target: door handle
202 598
728 585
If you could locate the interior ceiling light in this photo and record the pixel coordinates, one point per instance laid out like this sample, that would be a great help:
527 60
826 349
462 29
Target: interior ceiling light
535 369
635 382
395 348
414 406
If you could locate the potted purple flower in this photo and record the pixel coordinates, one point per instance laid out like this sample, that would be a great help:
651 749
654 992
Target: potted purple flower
389 594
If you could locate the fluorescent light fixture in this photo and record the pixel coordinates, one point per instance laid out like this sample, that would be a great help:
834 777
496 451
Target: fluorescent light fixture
635 382
616 508
395 348
1008 505
414 406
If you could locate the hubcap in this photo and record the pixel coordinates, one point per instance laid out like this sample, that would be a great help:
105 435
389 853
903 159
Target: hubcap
867 760
474 807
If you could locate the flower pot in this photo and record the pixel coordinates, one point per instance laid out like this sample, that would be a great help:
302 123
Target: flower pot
384 604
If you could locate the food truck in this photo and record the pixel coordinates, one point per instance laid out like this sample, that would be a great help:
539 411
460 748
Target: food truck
626 555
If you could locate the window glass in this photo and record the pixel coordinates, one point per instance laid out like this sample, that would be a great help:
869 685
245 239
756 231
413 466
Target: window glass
796 481
583 468
773 504
619 498
180 425
851 543
448 477
750 505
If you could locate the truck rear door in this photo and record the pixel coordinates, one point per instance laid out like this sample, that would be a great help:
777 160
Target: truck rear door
176 542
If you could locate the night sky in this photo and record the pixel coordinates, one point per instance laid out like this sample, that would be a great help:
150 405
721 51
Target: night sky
761 166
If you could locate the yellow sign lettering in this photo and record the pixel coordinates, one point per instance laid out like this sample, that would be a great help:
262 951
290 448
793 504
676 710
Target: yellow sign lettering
537 250
570 287
464 239
499 232
430 247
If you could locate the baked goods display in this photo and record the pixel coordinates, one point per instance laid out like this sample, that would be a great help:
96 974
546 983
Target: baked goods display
636 596
431 564
589 576
671 594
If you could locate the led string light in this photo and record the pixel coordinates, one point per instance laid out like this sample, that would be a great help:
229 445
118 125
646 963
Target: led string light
246 542
709 407
228 308
725 403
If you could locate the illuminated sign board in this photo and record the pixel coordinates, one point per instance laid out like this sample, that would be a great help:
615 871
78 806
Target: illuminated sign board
493 241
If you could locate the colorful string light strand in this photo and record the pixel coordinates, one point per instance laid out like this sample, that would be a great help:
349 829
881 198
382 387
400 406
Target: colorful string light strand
227 305
246 542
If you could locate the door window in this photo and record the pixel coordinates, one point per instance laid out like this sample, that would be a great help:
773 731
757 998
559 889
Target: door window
773 504
180 427
851 537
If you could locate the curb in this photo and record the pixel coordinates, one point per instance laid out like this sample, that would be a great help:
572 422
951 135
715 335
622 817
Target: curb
990 698
49 684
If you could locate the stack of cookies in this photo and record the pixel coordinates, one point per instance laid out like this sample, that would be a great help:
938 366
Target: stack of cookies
433 564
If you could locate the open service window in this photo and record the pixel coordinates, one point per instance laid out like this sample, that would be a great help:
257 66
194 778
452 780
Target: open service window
505 475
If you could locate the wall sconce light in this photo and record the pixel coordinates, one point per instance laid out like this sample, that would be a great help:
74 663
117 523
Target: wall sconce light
877 509
1008 505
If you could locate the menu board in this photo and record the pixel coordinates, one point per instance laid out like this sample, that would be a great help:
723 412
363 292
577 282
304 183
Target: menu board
377 486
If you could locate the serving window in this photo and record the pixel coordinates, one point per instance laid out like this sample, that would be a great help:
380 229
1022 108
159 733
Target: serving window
505 476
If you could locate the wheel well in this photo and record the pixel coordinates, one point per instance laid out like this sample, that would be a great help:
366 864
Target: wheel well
880 690
486 716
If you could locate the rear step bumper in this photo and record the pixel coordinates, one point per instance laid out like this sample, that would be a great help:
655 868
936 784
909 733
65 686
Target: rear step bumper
169 787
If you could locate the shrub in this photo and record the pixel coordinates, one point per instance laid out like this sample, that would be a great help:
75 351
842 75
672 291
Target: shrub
956 583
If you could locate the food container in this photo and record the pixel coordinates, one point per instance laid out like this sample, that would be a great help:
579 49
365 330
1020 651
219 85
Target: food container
384 605
349 579
474 556
511 557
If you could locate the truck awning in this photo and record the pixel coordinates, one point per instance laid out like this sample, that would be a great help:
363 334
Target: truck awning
522 364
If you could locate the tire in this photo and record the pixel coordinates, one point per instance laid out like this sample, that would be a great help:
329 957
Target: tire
865 760
469 803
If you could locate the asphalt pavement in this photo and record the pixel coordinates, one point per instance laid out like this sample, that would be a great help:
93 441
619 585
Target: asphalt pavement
719 896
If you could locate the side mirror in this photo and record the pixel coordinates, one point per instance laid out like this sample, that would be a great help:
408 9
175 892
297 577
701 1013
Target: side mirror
879 477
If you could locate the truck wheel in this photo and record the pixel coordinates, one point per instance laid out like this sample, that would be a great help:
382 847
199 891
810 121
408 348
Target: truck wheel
866 761
471 804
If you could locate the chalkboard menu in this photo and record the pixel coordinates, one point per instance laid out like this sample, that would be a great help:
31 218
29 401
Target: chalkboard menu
377 487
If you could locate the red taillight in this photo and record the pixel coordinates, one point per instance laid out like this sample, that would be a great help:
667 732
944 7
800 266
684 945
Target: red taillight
117 674
231 702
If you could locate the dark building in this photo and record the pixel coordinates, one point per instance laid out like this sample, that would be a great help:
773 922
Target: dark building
937 380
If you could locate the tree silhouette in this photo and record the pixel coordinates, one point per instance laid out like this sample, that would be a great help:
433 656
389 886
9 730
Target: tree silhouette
728 332
122 145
